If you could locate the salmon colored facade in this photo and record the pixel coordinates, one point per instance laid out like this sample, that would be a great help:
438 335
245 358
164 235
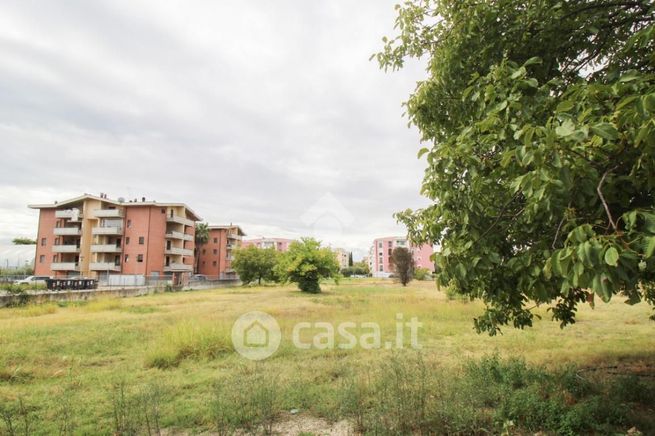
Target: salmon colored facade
380 255
215 257
280 244
95 237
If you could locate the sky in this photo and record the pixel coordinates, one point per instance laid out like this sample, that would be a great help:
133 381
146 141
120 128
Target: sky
265 114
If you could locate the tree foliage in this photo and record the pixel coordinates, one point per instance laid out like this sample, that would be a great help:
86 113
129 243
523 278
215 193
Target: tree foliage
23 241
201 238
541 168
255 264
306 263
403 264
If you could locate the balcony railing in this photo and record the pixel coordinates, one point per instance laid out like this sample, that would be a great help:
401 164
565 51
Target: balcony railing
178 267
108 213
68 214
107 231
234 236
64 266
179 251
104 266
105 248
179 219
179 235
66 248
67 231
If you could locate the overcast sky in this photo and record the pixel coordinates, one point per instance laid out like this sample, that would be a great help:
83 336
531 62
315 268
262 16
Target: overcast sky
266 114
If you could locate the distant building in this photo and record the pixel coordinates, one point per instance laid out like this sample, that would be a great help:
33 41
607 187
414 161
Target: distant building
380 255
343 257
279 244
215 257
94 236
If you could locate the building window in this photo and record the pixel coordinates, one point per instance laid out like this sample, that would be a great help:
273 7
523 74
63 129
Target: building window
54 258
214 263
379 244
215 240
129 223
139 257
203 263
127 258
142 240
127 240
215 251
44 241
42 258
204 251
381 269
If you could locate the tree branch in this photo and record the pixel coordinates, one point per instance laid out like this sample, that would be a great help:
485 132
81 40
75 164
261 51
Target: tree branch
602 198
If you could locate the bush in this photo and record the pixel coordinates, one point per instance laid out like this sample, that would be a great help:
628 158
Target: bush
422 274
307 263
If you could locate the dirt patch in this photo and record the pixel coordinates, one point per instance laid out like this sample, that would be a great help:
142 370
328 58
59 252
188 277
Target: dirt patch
295 425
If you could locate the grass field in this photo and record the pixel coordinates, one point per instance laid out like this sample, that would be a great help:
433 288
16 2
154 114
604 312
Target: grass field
165 361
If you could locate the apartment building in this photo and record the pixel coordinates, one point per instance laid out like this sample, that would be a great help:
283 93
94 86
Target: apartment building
214 259
94 236
380 255
343 257
280 244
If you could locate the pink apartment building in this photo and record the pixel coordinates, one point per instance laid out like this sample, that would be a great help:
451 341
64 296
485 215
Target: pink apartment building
96 237
380 255
215 257
279 244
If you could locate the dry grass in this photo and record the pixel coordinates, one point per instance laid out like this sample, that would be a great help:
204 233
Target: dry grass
182 341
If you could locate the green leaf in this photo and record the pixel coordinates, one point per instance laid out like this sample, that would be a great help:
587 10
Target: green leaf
649 246
606 130
649 102
612 256
533 61
565 129
422 151
565 106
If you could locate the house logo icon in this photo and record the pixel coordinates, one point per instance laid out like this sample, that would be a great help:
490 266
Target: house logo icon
256 335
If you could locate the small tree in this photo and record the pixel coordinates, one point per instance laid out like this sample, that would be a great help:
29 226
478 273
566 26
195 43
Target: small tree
254 263
306 263
403 263
350 259
202 237
23 241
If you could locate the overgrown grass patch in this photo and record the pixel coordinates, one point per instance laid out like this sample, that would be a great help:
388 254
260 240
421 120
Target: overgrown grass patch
188 340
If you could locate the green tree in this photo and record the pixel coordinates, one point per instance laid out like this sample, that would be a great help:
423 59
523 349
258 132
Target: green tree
350 259
403 264
23 241
541 161
252 263
307 263
202 237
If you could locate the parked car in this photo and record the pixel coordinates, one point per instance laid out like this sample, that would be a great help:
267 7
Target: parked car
32 280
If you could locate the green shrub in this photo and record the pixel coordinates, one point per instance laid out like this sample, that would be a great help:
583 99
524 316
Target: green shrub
245 403
422 274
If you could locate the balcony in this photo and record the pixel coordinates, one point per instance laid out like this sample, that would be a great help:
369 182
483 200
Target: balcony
234 236
68 214
105 248
178 267
179 251
104 266
107 231
64 266
67 231
179 235
108 213
179 220
66 248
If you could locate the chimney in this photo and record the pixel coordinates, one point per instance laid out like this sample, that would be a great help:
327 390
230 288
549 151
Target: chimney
143 199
